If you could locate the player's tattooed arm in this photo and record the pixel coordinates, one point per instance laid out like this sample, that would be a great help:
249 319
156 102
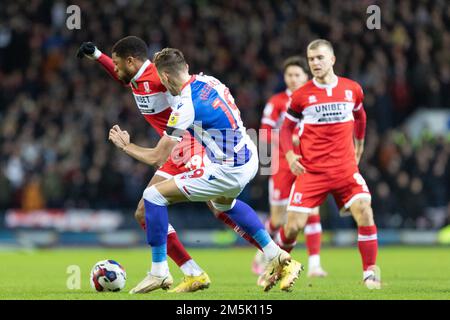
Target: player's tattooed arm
151 156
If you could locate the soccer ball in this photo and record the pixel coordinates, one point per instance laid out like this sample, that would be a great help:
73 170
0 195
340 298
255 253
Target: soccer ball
108 275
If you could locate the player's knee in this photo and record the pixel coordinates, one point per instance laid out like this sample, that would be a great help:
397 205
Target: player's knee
276 223
291 230
222 207
293 225
367 215
212 209
152 195
363 212
277 216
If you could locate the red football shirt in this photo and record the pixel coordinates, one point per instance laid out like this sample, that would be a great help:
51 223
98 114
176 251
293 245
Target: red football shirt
273 116
154 102
151 96
328 123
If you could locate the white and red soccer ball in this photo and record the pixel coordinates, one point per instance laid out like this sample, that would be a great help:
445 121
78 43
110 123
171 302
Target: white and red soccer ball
108 275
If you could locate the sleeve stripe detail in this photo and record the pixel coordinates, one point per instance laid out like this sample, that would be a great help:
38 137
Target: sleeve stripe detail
358 107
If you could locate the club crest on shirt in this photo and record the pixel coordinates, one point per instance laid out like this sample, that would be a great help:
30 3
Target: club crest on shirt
146 87
349 95
312 99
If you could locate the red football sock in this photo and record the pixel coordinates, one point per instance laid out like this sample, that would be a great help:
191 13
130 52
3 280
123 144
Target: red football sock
313 234
271 229
230 223
176 250
285 243
368 245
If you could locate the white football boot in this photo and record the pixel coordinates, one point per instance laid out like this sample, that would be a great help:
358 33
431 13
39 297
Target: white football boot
372 277
152 282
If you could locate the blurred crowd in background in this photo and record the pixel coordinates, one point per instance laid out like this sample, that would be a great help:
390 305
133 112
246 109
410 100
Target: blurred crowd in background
56 110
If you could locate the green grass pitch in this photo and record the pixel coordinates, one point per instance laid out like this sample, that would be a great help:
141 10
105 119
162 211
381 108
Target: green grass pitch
407 273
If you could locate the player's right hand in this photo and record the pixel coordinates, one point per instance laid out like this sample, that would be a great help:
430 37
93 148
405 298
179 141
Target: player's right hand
295 165
89 50
121 138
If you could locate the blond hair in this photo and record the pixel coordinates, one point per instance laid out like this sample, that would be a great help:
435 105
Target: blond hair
320 42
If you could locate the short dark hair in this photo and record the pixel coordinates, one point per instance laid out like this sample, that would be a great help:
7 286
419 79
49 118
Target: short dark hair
131 46
296 61
170 60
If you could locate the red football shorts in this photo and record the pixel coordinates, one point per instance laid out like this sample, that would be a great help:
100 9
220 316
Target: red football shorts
280 184
187 155
311 189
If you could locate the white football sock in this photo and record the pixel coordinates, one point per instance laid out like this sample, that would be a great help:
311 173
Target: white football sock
313 261
160 269
271 250
191 268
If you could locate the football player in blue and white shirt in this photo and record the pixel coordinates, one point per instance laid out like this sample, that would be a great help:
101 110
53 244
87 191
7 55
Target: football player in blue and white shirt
205 107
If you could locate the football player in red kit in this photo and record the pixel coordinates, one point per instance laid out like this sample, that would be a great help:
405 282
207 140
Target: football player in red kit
296 74
331 145
131 67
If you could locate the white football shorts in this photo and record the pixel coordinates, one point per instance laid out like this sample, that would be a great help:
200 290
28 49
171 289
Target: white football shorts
218 180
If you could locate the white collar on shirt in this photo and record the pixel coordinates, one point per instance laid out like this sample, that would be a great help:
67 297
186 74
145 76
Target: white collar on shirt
328 87
141 70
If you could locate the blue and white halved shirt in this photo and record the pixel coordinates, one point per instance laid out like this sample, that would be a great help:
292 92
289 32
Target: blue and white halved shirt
206 108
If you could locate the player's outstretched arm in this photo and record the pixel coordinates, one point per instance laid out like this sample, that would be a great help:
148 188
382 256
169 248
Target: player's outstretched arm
90 51
151 156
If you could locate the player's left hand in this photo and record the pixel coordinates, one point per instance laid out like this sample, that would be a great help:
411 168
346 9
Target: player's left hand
294 163
119 137
89 50
295 140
